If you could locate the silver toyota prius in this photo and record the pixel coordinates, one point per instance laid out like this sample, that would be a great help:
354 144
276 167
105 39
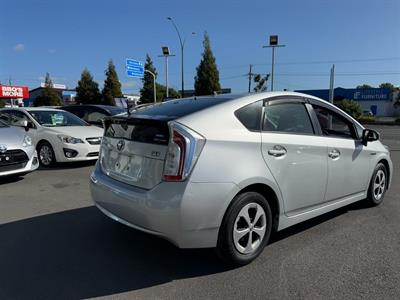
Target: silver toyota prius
225 171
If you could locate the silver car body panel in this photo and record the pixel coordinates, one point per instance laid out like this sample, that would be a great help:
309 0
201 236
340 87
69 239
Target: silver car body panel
12 138
189 213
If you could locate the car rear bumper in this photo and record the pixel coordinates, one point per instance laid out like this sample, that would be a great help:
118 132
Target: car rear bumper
187 214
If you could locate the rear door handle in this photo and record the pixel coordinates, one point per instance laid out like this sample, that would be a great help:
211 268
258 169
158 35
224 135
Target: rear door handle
277 151
335 153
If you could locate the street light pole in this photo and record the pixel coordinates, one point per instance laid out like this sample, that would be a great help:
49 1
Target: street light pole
273 43
166 54
182 43
154 85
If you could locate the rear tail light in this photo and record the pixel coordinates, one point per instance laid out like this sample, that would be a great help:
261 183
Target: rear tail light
184 148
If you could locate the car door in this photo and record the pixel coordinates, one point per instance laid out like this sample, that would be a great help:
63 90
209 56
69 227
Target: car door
348 162
295 153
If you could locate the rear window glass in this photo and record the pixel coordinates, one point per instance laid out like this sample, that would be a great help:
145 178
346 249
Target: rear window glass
178 108
143 131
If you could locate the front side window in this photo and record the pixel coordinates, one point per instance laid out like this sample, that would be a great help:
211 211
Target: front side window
14 118
51 118
288 118
332 124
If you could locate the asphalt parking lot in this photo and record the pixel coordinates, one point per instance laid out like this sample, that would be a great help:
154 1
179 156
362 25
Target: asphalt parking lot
55 245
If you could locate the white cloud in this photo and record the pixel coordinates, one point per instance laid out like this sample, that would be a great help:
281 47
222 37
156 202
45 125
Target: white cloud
19 47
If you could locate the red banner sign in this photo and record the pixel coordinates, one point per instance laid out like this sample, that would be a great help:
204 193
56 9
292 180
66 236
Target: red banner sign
9 91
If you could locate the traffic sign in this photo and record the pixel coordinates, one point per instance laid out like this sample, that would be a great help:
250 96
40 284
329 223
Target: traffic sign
134 68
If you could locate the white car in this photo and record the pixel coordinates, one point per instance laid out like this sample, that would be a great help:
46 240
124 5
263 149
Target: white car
59 136
17 152
226 171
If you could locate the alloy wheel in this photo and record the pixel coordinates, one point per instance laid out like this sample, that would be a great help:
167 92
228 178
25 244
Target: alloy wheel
379 184
45 155
249 228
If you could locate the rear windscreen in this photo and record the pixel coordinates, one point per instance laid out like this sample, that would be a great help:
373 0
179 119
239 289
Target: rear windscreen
174 109
138 130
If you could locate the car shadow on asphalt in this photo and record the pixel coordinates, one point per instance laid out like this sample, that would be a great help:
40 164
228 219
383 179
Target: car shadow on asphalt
81 253
11 179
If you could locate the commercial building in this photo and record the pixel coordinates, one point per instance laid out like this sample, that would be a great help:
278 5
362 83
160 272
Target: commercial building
67 95
379 101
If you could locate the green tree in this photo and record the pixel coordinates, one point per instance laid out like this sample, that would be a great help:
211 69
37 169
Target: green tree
162 92
87 90
387 85
147 91
112 86
364 86
49 96
261 83
206 81
351 107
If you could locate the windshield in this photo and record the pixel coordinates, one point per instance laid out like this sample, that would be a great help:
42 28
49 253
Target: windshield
50 118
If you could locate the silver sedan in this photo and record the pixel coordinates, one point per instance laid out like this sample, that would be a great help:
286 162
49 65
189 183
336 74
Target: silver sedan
226 171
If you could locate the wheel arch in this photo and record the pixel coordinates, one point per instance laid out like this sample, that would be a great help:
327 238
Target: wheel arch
269 194
387 166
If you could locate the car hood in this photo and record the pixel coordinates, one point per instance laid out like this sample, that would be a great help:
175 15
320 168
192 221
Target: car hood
12 136
81 132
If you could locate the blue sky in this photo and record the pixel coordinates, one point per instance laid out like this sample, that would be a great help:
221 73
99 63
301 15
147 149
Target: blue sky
361 37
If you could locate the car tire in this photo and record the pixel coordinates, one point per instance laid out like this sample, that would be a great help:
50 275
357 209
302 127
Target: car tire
234 246
378 185
46 154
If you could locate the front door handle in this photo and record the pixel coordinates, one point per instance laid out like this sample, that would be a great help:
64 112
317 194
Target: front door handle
277 151
335 153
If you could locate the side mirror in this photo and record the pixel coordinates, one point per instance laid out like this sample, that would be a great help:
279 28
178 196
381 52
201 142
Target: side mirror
369 135
24 124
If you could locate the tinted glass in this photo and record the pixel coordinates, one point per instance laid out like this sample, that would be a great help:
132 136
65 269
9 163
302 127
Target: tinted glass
115 110
138 130
51 118
2 124
250 115
287 117
178 108
14 118
95 116
332 124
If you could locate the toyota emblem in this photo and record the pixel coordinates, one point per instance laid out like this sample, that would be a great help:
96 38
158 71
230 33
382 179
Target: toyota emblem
121 145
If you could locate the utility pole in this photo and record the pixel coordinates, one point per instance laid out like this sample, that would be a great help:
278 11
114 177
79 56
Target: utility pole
154 85
250 77
331 84
166 54
273 43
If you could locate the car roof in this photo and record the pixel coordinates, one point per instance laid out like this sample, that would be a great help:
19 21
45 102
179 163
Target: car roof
40 108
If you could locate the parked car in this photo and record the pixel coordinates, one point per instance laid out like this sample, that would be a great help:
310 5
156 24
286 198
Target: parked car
59 136
17 152
94 114
225 171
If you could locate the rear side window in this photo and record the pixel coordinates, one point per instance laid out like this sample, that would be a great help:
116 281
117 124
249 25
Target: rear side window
288 118
250 116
